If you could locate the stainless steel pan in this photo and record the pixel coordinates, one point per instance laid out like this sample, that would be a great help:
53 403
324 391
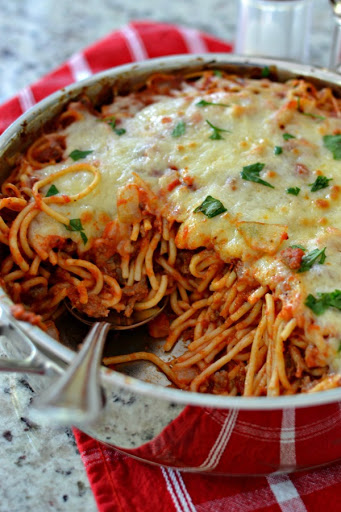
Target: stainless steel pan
148 420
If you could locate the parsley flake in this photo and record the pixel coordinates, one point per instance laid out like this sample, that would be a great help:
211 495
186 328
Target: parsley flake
324 301
76 225
265 72
298 246
118 131
301 111
287 136
217 72
52 191
319 183
278 150
314 116
204 103
84 237
179 130
294 191
77 154
333 143
211 207
251 173
308 260
216 131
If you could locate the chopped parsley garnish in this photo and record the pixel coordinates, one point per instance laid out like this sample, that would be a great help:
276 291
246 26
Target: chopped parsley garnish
278 150
333 143
118 131
298 246
204 103
76 225
314 116
211 207
251 173
84 237
52 191
77 154
265 72
287 136
216 131
301 111
299 108
308 260
179 130
294 191
319 183
324 301
217 72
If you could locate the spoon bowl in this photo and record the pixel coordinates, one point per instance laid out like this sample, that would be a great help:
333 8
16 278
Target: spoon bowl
117 321
76 397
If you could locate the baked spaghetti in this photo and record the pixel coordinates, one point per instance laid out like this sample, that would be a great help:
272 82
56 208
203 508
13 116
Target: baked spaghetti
221 192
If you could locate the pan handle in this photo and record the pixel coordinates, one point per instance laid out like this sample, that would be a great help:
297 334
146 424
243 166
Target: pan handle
76 396
28 365
33 363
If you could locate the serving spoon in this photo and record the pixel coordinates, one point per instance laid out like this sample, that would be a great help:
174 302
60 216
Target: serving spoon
76 398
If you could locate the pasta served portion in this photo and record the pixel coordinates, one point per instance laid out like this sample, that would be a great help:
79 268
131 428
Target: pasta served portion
219 191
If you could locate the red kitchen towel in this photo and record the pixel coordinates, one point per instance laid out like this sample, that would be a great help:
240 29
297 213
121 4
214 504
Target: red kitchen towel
121 483
134 42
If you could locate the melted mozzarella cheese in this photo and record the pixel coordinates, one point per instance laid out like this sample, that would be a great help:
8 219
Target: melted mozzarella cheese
258 218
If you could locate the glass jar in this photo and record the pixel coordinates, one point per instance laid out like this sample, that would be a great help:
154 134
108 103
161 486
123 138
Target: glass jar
274 28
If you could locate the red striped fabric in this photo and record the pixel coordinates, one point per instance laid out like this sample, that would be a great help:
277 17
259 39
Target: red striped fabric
137 41
121 483
52 82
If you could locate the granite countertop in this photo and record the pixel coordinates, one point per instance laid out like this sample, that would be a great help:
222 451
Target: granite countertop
40 467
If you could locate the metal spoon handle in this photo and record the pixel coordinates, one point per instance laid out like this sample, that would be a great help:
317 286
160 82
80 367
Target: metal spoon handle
76 396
